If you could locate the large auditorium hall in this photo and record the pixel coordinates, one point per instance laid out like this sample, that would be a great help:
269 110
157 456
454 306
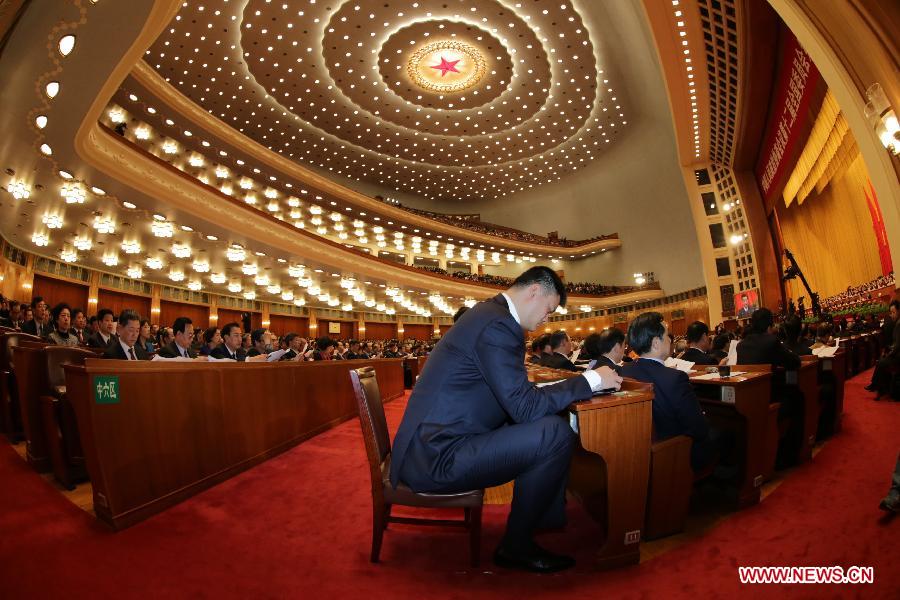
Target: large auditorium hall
449 298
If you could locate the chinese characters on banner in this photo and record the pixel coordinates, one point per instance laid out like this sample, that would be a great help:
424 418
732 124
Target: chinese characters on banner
793 92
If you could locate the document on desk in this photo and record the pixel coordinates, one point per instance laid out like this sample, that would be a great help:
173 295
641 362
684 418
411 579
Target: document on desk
732 353
682 365
825 351
273 356
214 359
174 358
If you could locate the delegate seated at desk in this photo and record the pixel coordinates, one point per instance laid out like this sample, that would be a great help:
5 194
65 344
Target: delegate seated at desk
560 349
606 348
474 420
125 346
676 410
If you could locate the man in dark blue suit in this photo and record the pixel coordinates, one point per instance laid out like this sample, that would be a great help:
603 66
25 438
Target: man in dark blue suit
676 410
605 348
474 420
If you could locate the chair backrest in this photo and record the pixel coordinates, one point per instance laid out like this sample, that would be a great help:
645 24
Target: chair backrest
371 419
57 356
8 342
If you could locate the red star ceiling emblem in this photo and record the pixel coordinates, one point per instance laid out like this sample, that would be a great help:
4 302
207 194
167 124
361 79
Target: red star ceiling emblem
445 66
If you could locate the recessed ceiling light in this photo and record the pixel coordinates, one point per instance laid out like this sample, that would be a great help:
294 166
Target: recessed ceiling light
186 228
129 205
46 149
52 89
66 44
65 175
40 121
98 191
212 238
158 217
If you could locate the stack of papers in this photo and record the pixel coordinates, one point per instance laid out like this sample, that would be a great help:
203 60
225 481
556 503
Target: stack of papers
682 365
825 351
732 353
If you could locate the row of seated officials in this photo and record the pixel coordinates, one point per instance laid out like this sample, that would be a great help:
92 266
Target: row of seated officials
641 354
129 337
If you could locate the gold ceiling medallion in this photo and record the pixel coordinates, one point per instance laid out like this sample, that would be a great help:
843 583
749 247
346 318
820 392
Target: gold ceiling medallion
446 67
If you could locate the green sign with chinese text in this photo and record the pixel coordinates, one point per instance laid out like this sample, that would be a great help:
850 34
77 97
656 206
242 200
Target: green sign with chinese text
106 389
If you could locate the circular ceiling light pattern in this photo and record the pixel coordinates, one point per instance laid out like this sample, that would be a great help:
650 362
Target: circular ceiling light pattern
327 86
408 74
446 67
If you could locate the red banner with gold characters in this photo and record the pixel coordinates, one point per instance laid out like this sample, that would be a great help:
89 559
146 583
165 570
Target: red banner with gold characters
884 249
793 92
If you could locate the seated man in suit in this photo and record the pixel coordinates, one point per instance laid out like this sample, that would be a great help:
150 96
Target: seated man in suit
125 346
39 325
474 420
181 345
106 329
261 343
391 351
676 410
699 345
296 346
761 347
881 378
561 348
605 348
539 347
325 349
232 339
354 352
792 328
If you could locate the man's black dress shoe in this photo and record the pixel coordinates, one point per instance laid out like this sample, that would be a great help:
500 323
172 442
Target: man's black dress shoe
891 503
870 388
534 559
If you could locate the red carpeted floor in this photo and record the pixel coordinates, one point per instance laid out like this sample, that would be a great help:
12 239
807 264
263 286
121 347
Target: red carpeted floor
299 526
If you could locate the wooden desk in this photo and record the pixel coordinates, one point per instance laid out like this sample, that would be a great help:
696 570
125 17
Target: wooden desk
615 430
747 397
174 429
415 366
835 369
807 381
31 381
610 470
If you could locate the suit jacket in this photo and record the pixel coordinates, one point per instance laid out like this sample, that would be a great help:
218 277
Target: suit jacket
222 351
95 341
558 361
33 328
605 361
698 357
115 351
171 351
474 382
676 410
765 349
289 355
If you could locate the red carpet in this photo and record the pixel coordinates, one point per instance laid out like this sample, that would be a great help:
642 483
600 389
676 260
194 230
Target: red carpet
299 525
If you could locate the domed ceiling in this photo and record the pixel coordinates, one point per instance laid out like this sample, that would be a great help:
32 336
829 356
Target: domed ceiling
444 99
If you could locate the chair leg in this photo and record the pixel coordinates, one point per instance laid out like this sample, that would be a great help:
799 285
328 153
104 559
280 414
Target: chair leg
473 516
379 524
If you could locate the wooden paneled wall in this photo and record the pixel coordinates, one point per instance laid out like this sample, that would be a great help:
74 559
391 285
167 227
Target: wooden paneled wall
55 291
169 311
348 330
119 301
380 331
419 332
284 324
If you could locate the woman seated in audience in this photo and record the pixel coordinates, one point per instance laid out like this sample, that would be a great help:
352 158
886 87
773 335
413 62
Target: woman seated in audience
61 318
212 337
145 337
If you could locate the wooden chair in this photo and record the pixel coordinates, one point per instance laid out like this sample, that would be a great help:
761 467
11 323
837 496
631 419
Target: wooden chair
58 417
384 496
10 413
30 365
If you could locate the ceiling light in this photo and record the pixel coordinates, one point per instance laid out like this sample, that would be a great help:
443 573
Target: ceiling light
40 239
46 149
66 44
135 271
19 189
218 278
201 266
131 247
154 262
40 121
68 255
181 250
176 275
162 229
103 225
83 243
73 193
299 301
110 260
195 285
234 286
250 295
130 205
52 89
